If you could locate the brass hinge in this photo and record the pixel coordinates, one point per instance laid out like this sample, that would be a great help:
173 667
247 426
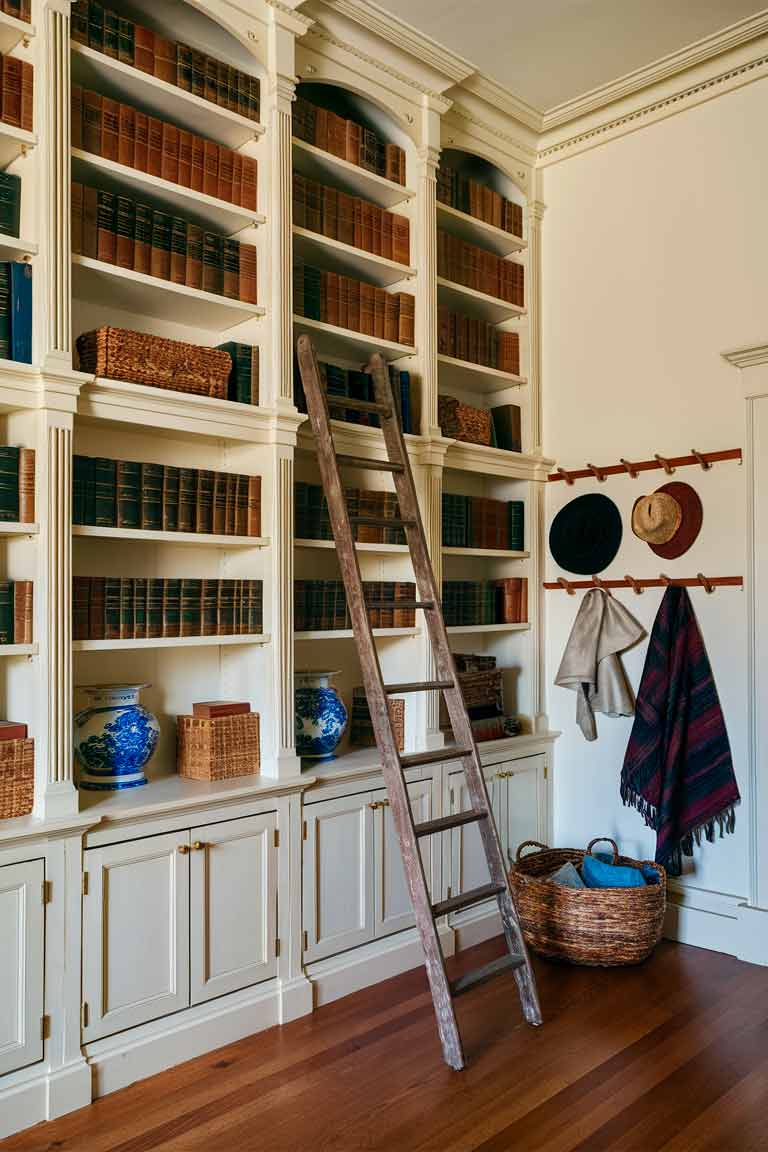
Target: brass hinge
45 1029
277 946
84 1014
46 893
450 893
277 837
306 940
85 883
546 772
304 830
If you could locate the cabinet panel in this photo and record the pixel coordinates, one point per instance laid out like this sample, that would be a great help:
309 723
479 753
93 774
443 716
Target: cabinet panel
338 875
233 902
468 868
136 932
522 803
393 903
21 964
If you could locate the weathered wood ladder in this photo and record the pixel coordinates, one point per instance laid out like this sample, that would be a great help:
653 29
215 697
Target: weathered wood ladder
393 763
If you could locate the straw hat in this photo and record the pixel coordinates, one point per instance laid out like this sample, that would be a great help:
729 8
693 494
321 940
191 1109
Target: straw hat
669 519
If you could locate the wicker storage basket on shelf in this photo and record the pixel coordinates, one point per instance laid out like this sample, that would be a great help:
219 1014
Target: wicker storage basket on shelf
218 749
461 422
597 926
119 354
17 777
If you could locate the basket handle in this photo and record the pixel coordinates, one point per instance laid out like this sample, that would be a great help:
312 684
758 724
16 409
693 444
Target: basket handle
530 844
607 840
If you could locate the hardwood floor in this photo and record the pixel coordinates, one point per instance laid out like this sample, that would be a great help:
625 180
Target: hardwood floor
672 1055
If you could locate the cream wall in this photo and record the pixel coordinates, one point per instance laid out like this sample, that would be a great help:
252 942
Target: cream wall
655 260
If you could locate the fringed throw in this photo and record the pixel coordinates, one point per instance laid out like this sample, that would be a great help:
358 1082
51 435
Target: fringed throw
678 770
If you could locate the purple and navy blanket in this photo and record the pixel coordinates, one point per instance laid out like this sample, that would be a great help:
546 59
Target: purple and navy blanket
678 771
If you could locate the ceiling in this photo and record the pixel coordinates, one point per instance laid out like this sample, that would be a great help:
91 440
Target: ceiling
550 51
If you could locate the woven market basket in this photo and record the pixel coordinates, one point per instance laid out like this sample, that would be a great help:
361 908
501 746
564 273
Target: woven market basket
462 422
221 748
597 926
17 777
120 354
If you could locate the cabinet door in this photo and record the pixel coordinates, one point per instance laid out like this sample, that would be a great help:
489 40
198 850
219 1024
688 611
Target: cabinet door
338 874
468 867
522 802
135 933
393 902
233 905
21 964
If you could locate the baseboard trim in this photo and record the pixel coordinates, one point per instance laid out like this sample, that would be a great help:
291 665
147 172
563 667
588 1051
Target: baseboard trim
475 927
296 999
718 921
68 1089
23 1105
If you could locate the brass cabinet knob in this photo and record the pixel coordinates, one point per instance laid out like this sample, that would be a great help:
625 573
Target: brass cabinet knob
374 804
183 849
198 845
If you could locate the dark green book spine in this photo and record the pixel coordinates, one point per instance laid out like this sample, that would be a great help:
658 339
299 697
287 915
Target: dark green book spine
105 492
210 601
9 483
126 49
155 607
170 498
10 203
111 33
6 612
187 499
230 346
128 494
204 517
140 592
152 497
79 21
171 607
112 608
96 26
184 67
79 475
244 362
191 607
89 489
226 608
126 608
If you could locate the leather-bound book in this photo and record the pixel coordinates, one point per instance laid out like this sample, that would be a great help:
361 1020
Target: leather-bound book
141 141
126 142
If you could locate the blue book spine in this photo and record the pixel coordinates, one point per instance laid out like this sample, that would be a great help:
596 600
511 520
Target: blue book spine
21 312
405 401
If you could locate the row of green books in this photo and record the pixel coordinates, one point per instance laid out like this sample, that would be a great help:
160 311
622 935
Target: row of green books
479 522
339 381
10 204
312 521
17 484
478 602
124 608
322 604
15 611
243 385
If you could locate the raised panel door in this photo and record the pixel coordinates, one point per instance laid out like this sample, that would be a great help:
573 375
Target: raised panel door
21 964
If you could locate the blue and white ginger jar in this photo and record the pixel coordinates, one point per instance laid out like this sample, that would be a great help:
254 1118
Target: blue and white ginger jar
115 737
321 718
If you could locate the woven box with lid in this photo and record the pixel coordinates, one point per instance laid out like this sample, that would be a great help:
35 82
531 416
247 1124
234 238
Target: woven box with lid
219 748
462 422
136 357
17 777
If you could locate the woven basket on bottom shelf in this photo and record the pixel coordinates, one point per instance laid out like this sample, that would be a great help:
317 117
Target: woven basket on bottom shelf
462 422
17 777
218 749
136 357
597 926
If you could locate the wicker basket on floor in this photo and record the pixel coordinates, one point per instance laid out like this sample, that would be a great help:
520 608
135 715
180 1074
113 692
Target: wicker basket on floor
595 926
218 749
17 777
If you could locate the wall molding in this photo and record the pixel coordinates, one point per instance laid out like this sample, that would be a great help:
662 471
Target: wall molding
717 921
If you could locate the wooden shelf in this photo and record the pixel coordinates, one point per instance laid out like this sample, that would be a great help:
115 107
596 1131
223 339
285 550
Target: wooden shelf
493 553
375 549
147 536
476 377
332 341
14 142
101 283
348 634
352 261
13 31
208 211
18 649
320 165
490 461
475 303
16 248
169 642
469 629
475 231
105 74
16 528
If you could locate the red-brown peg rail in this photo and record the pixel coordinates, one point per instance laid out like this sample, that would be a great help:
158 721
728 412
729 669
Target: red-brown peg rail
637 585
705 460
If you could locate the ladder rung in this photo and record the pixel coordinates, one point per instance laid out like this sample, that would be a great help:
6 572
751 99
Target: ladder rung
506 963
427 605
474 896
443 823
335 401
382 522
434 757
370 465
420 686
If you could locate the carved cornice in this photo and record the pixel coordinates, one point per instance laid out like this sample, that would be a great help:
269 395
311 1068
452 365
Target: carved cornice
319 32
287 10
469 117
504 101
536 210
428 155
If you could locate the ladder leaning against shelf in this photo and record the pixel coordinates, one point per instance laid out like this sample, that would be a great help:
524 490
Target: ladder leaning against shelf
393 763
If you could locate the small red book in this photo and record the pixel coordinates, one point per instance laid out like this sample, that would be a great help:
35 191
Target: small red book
11 731
210 709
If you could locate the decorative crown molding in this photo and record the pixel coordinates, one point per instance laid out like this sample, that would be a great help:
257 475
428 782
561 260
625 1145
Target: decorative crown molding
290 10
749 356
505 101
321 33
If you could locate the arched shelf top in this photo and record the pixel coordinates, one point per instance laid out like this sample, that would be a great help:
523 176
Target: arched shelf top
209 26
345 100
485 170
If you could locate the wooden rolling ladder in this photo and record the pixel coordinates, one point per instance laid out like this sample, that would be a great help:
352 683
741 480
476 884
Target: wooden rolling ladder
393 763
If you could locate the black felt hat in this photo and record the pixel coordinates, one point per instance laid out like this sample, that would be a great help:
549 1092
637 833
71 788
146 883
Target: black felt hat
586 534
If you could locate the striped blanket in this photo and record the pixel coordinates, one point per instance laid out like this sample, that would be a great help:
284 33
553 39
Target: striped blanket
678 771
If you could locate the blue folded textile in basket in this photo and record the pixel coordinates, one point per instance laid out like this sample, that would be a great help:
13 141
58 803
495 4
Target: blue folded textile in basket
600 874
650 871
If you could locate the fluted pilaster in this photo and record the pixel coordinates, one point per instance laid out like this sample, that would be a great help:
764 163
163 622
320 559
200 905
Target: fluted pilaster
285 760
535 214
426 262
432 520
52 100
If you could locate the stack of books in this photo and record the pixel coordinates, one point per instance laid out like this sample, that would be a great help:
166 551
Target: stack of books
119 230
17 485
219 741
475 602
15 611
321 605
361 726
479 522
348 140
10 204
477 341
126 135
478 200
16 311
482 688
162 498
353 304
243 384
21 9
106 31
313 523
121 608
476 268
339 381
17 89
333 213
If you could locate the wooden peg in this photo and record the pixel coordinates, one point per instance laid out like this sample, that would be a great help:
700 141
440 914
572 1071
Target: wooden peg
706 464
596 472
633 472
566 583
565 475
666 581
664 463
636 588
706 584
598 583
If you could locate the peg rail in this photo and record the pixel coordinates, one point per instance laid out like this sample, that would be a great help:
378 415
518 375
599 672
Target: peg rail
710 583
705 460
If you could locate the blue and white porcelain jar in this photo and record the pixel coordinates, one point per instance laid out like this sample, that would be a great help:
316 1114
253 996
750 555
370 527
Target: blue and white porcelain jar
321 718
115 737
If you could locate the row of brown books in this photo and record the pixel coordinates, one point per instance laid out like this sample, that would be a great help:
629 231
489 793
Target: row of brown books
351 220
20 9
162 498
478 200
322 604
119 230
106 31
312 521
17 91
476 268
128 136
476 341
481 522
348 140
145 608
353 304
15 611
